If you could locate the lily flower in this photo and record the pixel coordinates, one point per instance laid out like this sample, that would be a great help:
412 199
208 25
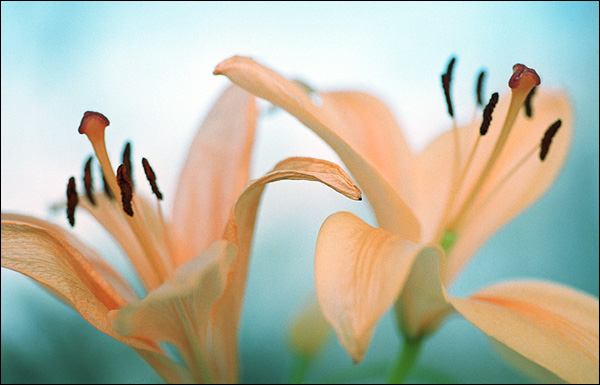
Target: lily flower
193 266
434 210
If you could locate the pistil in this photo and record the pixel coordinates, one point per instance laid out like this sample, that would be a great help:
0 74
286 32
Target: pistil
93 125
521 83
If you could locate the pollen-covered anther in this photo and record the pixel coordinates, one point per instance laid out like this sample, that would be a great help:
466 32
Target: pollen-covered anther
446 80
487 114
126 190
93 124
151 176
87 181
479 89
126 160
72 200
547 139
527 103
523 78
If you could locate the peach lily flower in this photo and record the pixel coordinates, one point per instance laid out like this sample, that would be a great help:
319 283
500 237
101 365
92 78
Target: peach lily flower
434 210
193 267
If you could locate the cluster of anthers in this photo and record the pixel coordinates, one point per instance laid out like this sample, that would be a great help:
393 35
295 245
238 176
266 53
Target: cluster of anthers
523 85
93 125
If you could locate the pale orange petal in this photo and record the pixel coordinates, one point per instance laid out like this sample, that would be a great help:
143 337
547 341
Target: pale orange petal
390 209
178 311
372 131
170 371
423 306
359 272
50 256
214 173
433 170
497 206
552 325
240 229
525 366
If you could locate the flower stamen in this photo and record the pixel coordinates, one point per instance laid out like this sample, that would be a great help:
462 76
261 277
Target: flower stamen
94 125
446 79
478 90
527 105
126 189
72 200
88 182
126 161
544 147
521 83
151 176
547 139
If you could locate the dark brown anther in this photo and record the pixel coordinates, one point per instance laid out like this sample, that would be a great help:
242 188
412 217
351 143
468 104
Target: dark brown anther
107 191
72 200
87 181
547 139
487 114
126 189
446 79
479 88
527 103
151 178
127 162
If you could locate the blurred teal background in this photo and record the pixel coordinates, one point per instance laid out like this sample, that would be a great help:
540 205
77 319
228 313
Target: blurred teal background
148 68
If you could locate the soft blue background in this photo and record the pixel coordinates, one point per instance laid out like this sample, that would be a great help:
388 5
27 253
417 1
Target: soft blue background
148 67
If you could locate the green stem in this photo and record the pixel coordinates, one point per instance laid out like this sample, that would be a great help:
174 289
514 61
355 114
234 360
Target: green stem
406 361
301 365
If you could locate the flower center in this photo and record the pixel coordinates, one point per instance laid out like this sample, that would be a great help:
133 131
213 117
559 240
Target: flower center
456 214
129 213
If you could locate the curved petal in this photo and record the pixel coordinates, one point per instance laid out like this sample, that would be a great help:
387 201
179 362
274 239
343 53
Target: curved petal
214 173
51 257
525 366
359 272
423 306
390 209
178 311
501 199
552 325
240 229
372 131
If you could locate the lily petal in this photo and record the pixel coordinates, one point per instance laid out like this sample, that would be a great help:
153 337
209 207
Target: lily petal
214 174
371 130
552 325
51 257
496 206
391 210
360 271
423 306
178 311
240 229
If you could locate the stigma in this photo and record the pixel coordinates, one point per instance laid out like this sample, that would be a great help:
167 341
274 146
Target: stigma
119 184
465 199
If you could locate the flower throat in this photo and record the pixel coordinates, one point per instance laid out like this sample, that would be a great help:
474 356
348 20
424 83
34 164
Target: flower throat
128 215
522 83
